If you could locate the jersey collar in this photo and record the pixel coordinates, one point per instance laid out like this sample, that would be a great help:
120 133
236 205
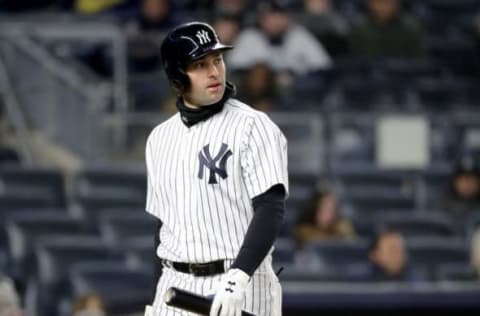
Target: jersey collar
191 116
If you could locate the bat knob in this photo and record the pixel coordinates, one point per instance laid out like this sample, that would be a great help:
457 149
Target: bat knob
169 295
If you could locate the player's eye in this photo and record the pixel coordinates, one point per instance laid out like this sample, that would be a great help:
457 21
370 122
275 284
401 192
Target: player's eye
218 60
199 65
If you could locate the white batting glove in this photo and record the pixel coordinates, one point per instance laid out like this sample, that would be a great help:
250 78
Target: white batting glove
230 294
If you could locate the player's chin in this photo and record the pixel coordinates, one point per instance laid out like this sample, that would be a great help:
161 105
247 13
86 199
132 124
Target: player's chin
215 96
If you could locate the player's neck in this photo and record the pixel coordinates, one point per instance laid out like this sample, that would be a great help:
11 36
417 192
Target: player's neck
190 105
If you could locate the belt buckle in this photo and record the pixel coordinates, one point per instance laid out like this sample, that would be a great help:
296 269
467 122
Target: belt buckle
167 263
191 270
199 269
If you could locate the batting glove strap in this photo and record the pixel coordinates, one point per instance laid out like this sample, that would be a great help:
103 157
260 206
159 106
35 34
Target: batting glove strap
230 294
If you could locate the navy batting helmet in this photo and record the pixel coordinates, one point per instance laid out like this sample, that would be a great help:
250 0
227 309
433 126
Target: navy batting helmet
184 44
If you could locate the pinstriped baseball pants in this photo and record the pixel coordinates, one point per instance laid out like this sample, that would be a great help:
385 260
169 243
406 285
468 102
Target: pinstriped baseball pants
263 295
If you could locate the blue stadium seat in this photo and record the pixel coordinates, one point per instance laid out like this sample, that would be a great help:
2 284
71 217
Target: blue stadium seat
284 252
374 182
98 188
423 224
31 188
125 290
340 253
443 141
455 272
352 141
117 229
442 95
430 252
3 261
55 257
354 273
25 232
141 252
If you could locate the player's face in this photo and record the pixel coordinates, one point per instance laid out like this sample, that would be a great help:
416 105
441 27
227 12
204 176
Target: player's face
207 77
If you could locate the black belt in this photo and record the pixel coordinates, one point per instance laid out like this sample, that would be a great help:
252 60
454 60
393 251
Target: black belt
197 269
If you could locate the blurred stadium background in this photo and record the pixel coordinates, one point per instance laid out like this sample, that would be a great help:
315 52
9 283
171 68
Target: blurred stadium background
385 121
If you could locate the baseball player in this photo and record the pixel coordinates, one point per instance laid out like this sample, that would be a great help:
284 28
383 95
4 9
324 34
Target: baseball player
217 181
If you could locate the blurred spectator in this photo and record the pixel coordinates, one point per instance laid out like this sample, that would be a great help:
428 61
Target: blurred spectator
236 7
389 259
288 48
322 220
155 16
462 196
228 27
258 88
89 305
145 32
386 31
330 28
10 304
89 7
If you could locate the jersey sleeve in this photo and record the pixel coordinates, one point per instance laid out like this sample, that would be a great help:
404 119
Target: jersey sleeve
264 156
151 198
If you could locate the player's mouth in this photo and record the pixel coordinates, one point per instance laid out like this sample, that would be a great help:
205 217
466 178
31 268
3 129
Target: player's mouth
214 87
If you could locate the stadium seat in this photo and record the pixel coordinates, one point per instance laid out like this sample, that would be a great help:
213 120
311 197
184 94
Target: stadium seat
351 141
3 261
362 182
98 188
443 141
117 229
456 272
31 188
124 290
141 252
423 224
439 95
355 273
55 257
284 252
340 253
430 252
24 232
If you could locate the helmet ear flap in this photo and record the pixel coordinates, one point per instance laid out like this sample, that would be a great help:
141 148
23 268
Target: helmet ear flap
178 86
181 82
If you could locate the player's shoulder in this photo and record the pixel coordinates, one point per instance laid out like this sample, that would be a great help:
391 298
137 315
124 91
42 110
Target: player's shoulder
160 128
252 115
243 110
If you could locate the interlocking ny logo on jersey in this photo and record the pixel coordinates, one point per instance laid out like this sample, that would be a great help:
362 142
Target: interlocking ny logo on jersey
203 37
206 160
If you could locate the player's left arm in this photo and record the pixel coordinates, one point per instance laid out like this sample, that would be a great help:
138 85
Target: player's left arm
267 182
261 233
269 208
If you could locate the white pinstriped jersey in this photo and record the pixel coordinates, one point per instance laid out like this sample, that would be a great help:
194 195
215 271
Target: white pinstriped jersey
201 180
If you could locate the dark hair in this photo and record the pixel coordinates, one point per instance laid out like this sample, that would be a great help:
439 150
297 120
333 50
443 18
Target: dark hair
310 208
378 234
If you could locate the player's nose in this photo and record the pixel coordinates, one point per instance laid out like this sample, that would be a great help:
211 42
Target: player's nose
213 70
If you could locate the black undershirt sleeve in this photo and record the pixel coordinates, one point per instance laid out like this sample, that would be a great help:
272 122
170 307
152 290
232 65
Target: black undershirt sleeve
269 210
157 264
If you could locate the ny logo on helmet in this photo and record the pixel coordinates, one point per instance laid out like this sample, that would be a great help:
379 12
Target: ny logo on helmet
203 37
205 159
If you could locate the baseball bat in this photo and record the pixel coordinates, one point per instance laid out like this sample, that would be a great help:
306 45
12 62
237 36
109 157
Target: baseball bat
191 302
